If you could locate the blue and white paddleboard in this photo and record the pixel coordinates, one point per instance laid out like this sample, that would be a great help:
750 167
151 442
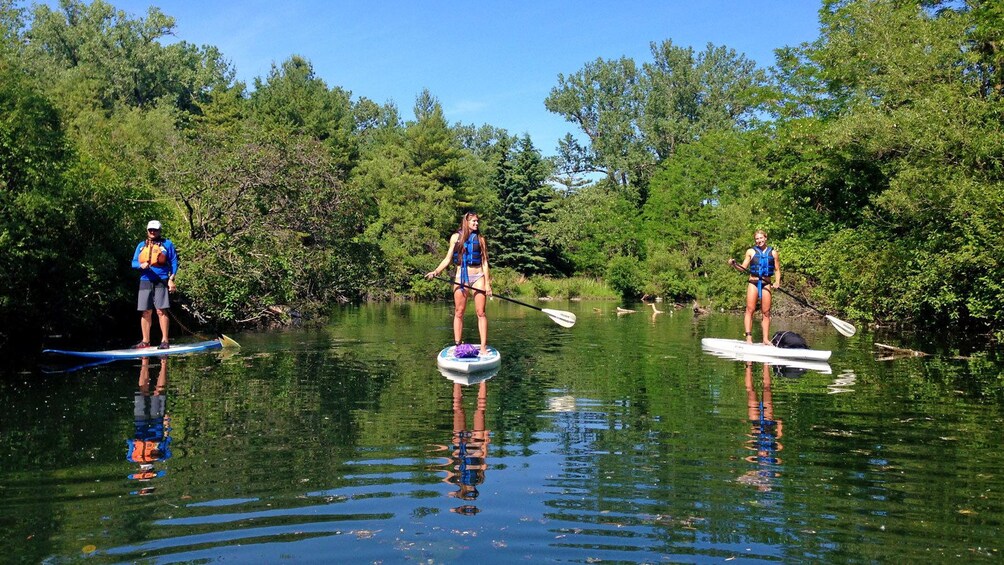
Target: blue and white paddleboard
175 349
446 360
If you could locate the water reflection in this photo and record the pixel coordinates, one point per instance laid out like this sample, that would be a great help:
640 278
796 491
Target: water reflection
619 441
843 383
765 431
468 450
151 442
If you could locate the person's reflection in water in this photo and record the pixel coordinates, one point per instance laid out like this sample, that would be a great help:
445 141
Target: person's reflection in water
152 441
469 450
764 434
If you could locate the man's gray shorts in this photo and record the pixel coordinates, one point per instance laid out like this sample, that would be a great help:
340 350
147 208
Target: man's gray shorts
153 295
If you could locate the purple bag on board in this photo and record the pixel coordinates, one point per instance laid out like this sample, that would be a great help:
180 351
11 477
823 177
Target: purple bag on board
466 351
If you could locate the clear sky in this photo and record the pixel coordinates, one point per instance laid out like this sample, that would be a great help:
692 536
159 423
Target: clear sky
486 61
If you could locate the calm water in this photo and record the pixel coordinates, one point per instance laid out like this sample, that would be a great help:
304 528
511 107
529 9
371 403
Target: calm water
618 440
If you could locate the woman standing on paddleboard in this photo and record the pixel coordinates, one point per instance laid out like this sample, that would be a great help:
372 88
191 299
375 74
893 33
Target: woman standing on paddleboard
761 263
468 251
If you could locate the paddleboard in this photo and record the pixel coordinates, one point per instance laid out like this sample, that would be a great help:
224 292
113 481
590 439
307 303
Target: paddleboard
739 347
467 365
175 349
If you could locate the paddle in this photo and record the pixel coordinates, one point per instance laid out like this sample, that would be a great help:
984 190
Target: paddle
845 328
228 343
560 317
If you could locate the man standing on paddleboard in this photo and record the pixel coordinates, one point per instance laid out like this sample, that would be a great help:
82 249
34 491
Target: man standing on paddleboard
157 261
761 263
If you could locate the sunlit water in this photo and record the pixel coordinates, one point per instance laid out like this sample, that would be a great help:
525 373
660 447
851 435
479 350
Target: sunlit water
618 440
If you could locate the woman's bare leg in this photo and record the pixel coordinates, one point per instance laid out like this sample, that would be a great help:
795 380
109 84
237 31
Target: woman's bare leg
751 300
460 305
765 310
479 308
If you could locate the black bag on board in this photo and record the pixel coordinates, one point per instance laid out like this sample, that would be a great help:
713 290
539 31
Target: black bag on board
789 340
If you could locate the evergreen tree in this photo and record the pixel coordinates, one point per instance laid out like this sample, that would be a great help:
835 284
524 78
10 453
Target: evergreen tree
293 97
418 181
525 201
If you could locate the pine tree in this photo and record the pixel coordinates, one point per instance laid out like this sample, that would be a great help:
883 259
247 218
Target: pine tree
525 201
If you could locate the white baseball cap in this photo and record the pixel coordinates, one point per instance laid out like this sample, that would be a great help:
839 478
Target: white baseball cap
153 225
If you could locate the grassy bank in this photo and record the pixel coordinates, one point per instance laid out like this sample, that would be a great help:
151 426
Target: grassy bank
511 283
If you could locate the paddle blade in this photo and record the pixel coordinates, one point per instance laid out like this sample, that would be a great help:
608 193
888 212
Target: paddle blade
229 343
841 326
560 317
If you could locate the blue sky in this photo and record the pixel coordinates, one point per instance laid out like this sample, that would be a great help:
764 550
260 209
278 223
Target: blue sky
487 62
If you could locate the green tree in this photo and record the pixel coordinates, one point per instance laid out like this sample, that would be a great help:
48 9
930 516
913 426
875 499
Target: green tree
293 97
11 29
269 223
374 123
525 200
59 269
96 56
634 118
624 275
896 148
592 226
688 95
987 40
418 181
701 201
602 100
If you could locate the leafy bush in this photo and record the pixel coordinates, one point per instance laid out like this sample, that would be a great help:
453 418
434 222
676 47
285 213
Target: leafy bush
541 287
505 281
573 288
424 289
671 286
624 275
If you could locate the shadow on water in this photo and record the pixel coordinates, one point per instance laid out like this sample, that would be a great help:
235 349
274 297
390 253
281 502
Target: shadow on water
616 440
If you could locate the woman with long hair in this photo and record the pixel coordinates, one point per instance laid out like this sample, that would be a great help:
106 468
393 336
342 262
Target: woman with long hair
468 251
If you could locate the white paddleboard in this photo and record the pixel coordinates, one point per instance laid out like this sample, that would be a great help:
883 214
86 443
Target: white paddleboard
466 365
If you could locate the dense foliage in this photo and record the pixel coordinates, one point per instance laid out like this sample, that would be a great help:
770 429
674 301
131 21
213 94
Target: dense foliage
873 155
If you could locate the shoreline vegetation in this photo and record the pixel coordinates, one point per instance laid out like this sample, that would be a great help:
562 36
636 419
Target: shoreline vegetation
875 161
510 283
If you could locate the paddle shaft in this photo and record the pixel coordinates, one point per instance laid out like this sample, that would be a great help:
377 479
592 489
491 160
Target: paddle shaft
170 312
226 341
513 300
767 281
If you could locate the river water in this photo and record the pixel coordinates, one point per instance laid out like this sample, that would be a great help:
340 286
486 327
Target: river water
618 440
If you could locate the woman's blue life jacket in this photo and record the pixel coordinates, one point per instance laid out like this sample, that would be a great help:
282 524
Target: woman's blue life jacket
762 267
762 264
468 255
